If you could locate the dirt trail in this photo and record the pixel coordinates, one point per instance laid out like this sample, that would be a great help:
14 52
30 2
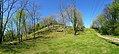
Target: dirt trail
109 38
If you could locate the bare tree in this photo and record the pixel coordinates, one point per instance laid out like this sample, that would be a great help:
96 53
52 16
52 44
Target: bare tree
33 13
62 14
23 4
74 15
9 11
6 9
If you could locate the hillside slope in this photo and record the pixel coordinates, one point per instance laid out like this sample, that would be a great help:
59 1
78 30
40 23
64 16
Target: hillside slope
61 43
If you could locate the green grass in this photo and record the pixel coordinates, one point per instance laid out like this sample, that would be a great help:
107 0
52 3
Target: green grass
115 36
61 43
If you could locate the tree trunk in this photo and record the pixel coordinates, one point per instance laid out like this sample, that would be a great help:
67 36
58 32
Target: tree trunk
1 21
75 32
26 31
18 35
19 31
21 37
34 29
75 22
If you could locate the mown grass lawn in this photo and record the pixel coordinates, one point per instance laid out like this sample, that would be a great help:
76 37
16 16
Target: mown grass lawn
61 43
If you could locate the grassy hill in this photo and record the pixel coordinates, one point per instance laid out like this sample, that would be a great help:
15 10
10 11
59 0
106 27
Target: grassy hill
62 43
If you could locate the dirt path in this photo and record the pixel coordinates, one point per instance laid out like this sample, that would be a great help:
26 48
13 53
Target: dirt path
109 38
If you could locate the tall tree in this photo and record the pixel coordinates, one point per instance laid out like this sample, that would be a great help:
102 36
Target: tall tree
62 13
75 18
23 23
1 20
34 14
7 10
23 4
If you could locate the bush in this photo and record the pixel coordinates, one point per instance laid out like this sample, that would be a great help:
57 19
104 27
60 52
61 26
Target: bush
117 31
69 30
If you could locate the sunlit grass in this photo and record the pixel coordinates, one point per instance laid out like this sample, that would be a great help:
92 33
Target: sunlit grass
61 43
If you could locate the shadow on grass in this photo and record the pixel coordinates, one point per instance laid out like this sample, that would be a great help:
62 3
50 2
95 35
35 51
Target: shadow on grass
109 41
13 49
19 47
8 48
117 44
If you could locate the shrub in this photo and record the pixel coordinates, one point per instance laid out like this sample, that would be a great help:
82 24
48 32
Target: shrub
117 31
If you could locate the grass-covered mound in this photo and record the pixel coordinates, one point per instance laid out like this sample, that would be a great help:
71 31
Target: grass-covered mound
61 43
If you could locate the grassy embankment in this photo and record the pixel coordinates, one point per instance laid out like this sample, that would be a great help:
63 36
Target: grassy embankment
63 43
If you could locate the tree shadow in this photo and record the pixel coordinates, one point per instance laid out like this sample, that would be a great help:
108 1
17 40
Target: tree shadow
26 44
109 41
8 48
117 44
15 49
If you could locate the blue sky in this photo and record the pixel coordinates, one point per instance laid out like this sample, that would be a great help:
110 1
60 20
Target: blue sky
89 8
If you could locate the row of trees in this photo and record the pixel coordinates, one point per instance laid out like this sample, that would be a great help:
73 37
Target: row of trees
108 21
18 18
